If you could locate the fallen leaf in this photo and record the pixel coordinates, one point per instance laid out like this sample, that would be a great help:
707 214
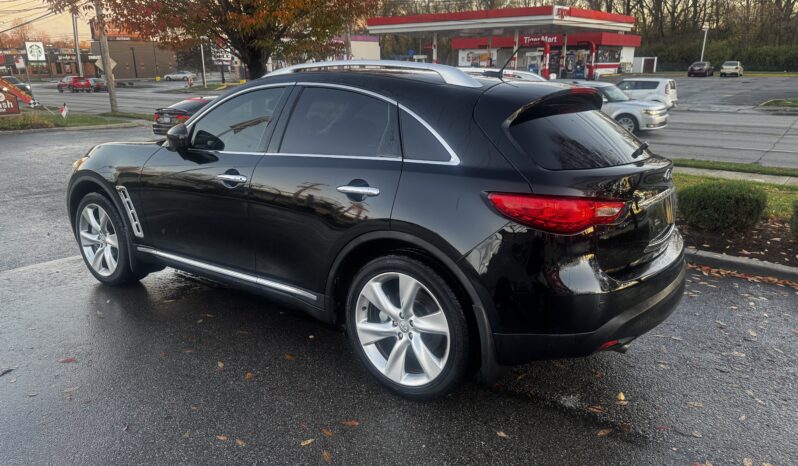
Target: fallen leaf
219 365
597 409
223 438
620 397
327 456
124 429
743 418
240 442
249 376
68 360
289 357
603 432
748 462
696 434
695 404
766 464
186 434
350 423
502 434
327 432
200 321
626 427
661 428
752 333
307 442
677 338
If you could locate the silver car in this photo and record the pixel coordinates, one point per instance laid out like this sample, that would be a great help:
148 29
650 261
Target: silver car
634 115
180 76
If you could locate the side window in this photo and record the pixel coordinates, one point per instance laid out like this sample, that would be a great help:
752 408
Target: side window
337 122
238 124
648 85
626 85
418 143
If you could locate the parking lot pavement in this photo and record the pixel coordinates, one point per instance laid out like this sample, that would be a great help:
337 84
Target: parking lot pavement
740 92
176 371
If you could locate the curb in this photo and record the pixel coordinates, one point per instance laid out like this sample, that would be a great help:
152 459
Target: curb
76 128
741 264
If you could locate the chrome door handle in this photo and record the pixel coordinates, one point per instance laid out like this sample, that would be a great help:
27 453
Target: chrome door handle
362 190
232 178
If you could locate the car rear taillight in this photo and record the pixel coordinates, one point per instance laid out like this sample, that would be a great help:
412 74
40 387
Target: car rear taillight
182 118
156 117
667 89
564 215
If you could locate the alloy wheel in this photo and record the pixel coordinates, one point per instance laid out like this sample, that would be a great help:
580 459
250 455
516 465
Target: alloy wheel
98 240
402 329
627 123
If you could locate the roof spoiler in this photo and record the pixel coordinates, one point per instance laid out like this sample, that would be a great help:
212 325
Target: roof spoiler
575 99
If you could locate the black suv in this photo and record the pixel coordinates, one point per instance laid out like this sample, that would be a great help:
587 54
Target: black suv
450 224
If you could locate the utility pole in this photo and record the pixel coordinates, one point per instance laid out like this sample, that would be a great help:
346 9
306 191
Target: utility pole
705 28
77 46
202 55
105 55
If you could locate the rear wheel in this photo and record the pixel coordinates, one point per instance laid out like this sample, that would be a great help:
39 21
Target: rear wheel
407 327
628 122
103 240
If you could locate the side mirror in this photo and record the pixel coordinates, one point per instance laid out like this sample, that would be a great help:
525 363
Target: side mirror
177 136
604 99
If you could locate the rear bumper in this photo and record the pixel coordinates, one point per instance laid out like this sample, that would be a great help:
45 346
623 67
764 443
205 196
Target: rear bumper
627 311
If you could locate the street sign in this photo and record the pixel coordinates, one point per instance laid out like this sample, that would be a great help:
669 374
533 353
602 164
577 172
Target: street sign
221 56
19 62
35 51
411 52
8 104
99 65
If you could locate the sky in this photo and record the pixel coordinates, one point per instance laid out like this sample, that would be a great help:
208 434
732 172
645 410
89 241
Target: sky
58 27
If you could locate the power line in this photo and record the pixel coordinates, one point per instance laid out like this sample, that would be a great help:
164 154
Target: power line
49 13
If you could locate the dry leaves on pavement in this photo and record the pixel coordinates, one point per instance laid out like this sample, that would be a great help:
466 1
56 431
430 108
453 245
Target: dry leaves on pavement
502 434
307 442
223 438
67 360
327 456
603 432
249 376
350 423
327 432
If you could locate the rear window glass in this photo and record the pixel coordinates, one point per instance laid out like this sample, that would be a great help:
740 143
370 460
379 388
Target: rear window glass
189 106
647 84
573 141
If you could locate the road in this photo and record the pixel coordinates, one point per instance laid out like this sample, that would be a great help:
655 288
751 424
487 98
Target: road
717 382
714 120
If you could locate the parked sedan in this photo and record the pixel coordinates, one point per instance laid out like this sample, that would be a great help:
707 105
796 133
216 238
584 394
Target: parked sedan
700 68
661 90
98 85
634 115
450 224
180 76
74 84
180 112
731 68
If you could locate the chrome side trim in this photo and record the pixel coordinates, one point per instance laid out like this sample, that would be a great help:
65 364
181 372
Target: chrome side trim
349 88
654 199
449 74
455 160
216 103
326 156
131 211
230 273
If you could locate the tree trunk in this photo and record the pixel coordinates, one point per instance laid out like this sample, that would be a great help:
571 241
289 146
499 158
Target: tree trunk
106 56
255 61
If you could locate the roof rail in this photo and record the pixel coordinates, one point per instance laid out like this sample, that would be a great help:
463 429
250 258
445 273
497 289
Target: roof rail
449 74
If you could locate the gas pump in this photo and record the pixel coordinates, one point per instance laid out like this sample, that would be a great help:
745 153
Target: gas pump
538 60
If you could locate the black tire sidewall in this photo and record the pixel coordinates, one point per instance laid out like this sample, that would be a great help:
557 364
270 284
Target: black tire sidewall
456 365
122 274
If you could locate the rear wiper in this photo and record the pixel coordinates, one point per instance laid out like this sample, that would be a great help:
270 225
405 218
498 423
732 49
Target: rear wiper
639 151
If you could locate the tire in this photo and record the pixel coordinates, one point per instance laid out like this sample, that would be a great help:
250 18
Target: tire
444 342
629 122
185 79
95 236
168 78
723 75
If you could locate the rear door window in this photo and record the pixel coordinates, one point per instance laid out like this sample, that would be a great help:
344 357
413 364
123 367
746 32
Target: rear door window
338 122
647 85
573 141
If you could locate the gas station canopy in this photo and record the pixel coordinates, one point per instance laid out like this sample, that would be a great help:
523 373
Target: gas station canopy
531 19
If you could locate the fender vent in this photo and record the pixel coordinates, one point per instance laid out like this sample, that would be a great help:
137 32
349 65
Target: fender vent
131 211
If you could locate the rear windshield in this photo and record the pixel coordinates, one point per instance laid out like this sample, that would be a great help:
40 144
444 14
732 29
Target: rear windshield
189 106
730 63
573 141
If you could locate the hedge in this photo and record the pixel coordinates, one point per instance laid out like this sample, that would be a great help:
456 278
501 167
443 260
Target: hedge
722 205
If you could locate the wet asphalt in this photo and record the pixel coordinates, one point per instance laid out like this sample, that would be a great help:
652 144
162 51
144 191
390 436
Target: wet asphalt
180 371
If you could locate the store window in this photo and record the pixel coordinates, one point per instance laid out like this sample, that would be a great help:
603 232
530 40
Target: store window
608 55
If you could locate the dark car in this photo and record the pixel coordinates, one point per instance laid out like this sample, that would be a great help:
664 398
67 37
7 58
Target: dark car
700 68
21 85
177 113
74 84
448 223
98 85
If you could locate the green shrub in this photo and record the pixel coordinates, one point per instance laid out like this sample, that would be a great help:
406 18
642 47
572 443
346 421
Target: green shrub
794 219
722 205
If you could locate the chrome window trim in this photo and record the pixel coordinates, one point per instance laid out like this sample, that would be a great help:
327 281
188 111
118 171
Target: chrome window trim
391 158
230 273
131 211
454 160
201 114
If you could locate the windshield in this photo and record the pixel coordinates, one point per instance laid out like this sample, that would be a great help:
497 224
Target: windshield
699 63
613 94
730 63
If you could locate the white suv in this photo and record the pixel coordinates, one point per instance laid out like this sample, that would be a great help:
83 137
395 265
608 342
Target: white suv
655 89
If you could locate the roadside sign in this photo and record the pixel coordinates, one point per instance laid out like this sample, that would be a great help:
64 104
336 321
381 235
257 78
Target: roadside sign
19 62
221 56
35 51
99 65
8 104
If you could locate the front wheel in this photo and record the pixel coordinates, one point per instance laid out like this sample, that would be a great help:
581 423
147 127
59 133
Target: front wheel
103 240
407 327
628 122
